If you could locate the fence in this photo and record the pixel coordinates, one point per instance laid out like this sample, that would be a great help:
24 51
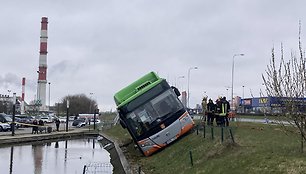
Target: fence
98 168
212 132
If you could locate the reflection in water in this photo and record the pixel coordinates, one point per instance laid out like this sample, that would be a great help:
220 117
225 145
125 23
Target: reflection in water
61 157
93 144
56 144
65 162
37 151
11 159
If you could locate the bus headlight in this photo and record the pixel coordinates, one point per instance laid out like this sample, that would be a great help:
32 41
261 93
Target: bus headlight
147 143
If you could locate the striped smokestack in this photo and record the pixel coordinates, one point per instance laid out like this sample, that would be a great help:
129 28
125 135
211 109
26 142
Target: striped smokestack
42 72
23 89
22 108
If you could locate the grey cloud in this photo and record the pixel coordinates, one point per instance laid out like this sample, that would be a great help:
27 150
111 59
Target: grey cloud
10 79
62 68
112 43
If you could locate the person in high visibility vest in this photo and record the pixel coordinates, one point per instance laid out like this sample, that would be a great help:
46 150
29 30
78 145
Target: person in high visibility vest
218 111
225 108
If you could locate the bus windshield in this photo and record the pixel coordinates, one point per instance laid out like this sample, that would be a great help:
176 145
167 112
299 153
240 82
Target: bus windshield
153 112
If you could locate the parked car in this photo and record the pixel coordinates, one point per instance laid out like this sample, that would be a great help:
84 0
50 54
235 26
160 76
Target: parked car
45 119
5 118
72 118
17 119
4 127
62 119
26 120
80 122
92 121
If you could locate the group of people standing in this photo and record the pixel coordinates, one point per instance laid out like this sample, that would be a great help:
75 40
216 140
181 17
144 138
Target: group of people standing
218 111
35 128
39 126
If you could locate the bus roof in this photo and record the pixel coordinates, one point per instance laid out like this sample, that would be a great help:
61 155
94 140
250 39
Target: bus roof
136 89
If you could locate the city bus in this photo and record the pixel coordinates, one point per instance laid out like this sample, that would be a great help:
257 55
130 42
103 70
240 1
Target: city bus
152 113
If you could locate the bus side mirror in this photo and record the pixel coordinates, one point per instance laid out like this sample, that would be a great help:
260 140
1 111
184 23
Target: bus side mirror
122 124
176 91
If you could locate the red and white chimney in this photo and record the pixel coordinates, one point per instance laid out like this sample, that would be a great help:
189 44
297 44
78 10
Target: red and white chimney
42 72
22 108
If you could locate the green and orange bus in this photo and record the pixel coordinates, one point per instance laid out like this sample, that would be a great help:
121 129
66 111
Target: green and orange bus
152 113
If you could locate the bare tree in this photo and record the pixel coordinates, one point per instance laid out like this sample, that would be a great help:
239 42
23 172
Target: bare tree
286 80
78 104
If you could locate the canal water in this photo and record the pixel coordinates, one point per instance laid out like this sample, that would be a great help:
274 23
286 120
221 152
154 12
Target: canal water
60 157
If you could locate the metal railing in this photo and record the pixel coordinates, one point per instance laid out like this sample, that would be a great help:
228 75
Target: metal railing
98 168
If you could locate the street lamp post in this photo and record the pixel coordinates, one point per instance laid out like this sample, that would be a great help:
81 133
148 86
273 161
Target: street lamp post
96 112
243 92
7 102
188 93
232 101
38 89
49 95
243 98
90 103
14 109
67 118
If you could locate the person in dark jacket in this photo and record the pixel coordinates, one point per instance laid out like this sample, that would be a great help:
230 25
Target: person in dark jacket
57 124
35 127
218 111
41 127
210 112
227 110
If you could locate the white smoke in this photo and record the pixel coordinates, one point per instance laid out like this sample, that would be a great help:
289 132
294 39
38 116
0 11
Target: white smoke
13 81
10 79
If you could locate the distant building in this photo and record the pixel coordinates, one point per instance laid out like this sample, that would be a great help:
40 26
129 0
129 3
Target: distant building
6 104
269 104
236 103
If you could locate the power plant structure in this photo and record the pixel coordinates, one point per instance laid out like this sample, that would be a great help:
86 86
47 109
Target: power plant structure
22 105
42 72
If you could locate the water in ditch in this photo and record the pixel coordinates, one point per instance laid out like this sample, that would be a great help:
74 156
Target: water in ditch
59 157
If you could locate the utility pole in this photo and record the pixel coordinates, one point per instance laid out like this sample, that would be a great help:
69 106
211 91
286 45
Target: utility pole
67 118
13 120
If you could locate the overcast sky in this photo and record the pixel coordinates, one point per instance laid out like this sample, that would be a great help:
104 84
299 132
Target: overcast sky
100 46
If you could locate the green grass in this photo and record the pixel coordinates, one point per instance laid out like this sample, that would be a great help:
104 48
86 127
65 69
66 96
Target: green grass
258 149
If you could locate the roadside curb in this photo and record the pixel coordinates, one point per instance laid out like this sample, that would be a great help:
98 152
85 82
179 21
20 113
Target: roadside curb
118 159
25 138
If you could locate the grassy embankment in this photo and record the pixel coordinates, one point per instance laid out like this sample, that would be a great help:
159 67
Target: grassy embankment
258 148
